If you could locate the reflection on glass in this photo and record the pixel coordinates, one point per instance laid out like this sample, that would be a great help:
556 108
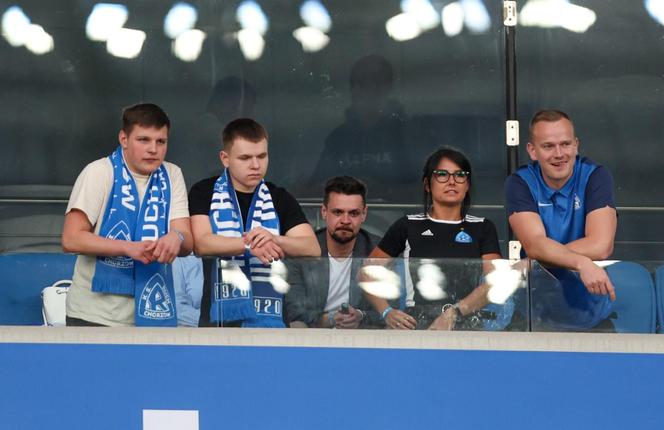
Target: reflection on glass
432 281
403 27
38 41
125 43
18 31
426 16
380 281
233 275
435 290
188 45
312 39
452 19
371 141
314 14
104 20
278 277
251 17
557 13
655 9
251 44
181 18
476 17
15 25
504 279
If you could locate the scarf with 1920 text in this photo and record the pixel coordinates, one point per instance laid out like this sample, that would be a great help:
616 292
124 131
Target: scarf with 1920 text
261 306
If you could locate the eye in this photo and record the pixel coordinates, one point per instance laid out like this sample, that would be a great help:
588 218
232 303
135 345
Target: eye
337 212
354 213
460 174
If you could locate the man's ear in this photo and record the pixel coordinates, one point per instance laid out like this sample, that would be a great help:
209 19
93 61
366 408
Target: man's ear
531 151
122 138
323 211
223 156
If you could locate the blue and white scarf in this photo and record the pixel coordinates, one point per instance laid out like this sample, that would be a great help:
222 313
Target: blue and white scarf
150 284
261 306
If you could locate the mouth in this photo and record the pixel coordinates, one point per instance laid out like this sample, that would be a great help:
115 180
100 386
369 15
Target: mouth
559 164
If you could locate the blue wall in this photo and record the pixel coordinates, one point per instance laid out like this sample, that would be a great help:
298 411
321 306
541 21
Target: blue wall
64 386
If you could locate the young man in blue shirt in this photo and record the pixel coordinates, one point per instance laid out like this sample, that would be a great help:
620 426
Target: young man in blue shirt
561 208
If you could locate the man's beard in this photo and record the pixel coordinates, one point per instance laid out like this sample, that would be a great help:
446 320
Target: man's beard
343 240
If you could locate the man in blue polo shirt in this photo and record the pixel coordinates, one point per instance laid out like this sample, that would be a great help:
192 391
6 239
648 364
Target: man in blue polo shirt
561 208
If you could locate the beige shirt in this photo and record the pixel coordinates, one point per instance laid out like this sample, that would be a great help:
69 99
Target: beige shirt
90 195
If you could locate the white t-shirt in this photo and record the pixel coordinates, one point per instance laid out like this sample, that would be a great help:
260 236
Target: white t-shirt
90 195
338 292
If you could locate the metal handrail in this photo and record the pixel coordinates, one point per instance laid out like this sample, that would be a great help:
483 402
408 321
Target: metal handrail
310 204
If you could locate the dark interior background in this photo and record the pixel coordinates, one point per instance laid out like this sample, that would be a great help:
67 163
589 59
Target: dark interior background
61 110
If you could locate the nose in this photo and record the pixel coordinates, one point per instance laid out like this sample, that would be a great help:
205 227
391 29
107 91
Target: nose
152 147
254 163
345 218
558 152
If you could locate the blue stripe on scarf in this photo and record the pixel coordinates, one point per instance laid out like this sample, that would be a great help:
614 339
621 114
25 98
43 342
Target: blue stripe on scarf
151 284
261 306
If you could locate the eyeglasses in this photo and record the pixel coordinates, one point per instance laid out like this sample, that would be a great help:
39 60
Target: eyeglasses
442 176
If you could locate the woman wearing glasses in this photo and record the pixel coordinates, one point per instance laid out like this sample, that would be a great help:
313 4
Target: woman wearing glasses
443 230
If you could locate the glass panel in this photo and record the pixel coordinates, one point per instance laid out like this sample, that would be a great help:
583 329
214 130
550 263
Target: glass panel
490 295
601 62
561 302
369 100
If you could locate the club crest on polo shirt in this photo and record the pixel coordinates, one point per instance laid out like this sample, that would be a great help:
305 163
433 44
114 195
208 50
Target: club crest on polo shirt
155 302
463 237
120 231
577 202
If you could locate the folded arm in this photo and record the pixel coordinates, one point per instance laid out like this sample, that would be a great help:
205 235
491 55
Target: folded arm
299 241
528 228
171 245
78 237
600 234
208 243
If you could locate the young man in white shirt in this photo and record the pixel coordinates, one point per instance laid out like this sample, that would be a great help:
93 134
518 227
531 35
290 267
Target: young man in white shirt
150 232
